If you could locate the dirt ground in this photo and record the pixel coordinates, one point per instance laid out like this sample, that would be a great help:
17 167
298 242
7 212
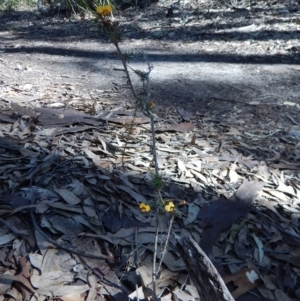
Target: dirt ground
208 56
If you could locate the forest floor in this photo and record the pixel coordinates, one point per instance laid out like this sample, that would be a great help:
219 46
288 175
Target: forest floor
225 83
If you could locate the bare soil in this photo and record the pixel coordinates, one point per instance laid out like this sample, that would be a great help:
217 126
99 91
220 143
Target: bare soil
207 56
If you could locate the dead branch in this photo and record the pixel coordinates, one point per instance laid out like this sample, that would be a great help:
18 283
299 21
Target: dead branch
205 277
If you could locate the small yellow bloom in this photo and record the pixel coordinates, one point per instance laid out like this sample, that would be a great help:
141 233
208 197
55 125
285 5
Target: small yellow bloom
144 207
152 104
104 10
170 207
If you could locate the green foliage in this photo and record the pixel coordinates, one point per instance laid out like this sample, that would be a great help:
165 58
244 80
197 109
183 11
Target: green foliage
90 5
85 4
69 6
10 4
55 5
106 2
157 182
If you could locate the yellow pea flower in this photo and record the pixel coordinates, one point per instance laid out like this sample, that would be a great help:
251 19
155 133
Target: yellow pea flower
104 10
144 207
152 104
170 207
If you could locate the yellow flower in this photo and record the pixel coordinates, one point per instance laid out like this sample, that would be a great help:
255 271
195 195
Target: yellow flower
152 104
104 10
170 207
144 207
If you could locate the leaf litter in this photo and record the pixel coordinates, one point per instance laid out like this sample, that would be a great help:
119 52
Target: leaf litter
82 170
84 185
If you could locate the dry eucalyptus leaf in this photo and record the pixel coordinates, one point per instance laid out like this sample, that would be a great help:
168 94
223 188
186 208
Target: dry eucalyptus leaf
244 281
88 207
180 127
186 116
72 296
138 197
248 191
96 159
68 196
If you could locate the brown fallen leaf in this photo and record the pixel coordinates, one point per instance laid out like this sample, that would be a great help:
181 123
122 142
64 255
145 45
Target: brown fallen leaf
23 111
128 120
245 280
97 161
110 148
68 196
180 127
72 296
22 282
51 117
186 116
248 191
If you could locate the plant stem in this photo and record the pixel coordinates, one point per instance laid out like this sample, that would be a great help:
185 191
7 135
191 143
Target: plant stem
144 105
154 273
166 244
124 63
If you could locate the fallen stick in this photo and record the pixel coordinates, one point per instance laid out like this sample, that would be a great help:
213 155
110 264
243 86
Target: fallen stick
204 275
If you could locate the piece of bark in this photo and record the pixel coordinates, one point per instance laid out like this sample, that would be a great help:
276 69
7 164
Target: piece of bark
205 277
